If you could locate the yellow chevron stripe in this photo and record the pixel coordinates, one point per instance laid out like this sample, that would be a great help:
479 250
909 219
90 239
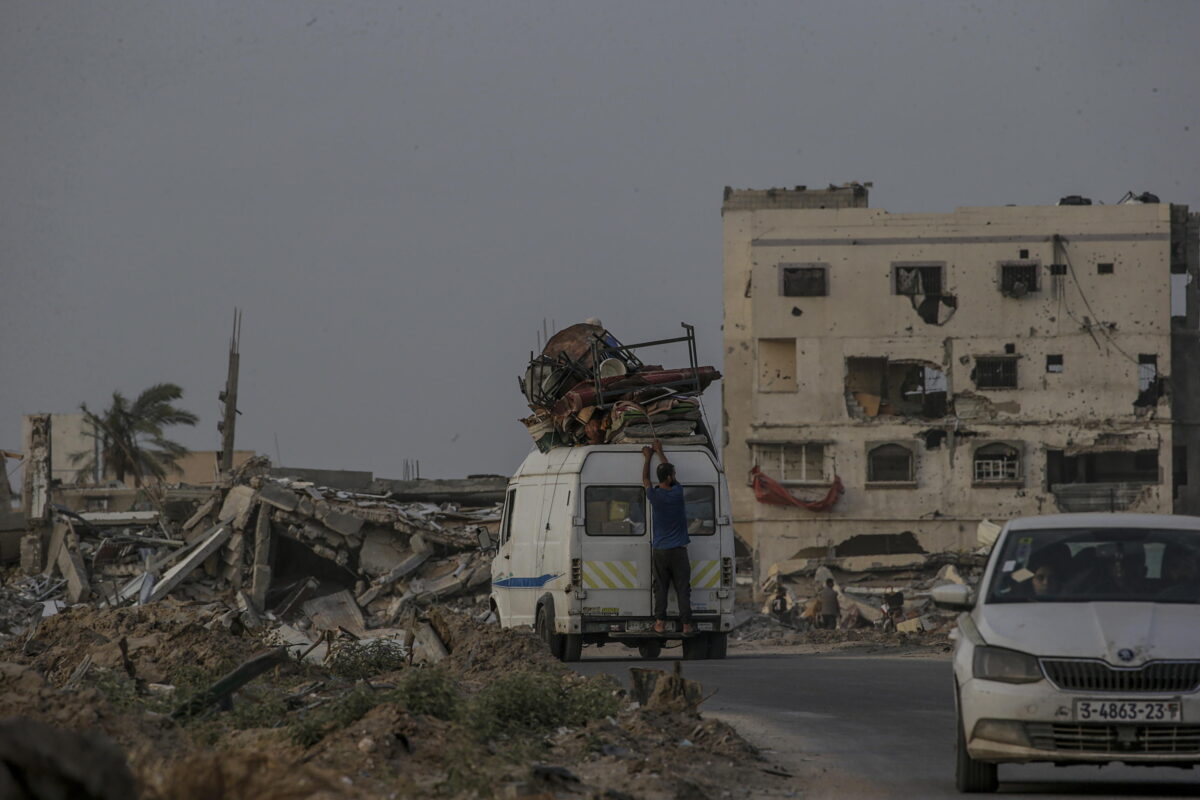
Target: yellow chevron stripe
705 575
613 571
589 579
599 574
610 574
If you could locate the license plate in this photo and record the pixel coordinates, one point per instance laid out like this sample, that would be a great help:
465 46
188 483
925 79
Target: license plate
1128 710
637 625
704 626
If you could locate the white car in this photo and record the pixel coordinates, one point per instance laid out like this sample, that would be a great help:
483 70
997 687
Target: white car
1082 647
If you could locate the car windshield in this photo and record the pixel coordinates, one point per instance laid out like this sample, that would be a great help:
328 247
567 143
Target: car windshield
1098 564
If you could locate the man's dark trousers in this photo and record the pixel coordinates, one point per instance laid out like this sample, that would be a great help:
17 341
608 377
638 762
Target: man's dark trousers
672 567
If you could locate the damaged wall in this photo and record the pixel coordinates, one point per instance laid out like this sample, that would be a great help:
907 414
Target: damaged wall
1069 303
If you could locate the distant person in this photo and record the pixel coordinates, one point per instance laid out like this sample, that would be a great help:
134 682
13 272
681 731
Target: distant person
779 606
827 605
669 540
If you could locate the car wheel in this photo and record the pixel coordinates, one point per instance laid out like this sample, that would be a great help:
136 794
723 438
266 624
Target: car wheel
572 648
718 644
649 650
695 647
970 775
553 640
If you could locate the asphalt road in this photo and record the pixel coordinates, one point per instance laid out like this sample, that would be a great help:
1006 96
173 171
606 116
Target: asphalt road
851 726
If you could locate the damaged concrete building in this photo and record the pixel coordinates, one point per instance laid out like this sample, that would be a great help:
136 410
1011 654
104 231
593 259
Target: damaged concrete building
955 367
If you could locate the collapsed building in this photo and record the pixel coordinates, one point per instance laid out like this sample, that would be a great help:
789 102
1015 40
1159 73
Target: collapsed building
907 376
313 562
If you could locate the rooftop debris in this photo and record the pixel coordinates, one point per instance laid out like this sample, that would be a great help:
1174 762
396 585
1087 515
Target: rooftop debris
586 387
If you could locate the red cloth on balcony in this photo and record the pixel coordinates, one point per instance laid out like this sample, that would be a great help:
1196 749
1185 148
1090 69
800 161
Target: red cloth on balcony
770 491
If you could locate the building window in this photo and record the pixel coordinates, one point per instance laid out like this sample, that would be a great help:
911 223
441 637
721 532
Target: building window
804 280
1104 269
1107 466
995 372
890 463
917 280
793 463
1058 269
1018 279
997 463
1054 362
777 365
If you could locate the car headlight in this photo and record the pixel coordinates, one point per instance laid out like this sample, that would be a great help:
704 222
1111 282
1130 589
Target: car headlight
1008 666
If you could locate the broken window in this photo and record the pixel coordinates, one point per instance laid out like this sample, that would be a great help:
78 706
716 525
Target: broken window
1054 362
1106 466
804 280
997 463
777 365
1150 386
918 280
1147 370
1018 279
995 372
890 463
793 463
925 287
615 510
879 387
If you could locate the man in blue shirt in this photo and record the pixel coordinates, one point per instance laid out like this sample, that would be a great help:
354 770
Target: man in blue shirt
669 541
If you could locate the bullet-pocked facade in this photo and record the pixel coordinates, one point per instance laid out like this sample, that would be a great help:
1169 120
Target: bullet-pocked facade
949 368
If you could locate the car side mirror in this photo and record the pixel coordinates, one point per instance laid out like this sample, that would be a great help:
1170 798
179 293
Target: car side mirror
485 540
953 597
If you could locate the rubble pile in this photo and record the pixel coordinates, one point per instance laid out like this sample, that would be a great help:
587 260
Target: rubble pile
587 388
885 591
198 711
308 561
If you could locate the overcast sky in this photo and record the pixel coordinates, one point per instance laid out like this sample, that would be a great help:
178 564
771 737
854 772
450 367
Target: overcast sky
397 193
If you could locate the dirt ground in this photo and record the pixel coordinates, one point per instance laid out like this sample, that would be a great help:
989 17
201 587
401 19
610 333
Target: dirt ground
498 717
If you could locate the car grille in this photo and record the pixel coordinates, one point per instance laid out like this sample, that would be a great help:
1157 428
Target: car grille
1172 739
1078 675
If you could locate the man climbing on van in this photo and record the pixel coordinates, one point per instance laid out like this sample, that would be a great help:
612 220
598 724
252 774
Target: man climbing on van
669 541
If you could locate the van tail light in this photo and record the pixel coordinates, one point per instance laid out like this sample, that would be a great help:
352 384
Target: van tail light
576 572
727 572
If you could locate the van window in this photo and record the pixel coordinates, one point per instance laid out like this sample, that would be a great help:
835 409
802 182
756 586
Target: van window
510 500
615 510
700 504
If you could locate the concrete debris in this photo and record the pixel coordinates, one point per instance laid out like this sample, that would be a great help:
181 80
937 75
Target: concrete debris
888 591
272 551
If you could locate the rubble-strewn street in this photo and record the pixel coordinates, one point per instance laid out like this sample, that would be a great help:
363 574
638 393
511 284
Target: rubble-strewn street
271 638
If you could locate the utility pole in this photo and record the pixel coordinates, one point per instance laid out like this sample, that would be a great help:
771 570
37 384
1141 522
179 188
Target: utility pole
229 397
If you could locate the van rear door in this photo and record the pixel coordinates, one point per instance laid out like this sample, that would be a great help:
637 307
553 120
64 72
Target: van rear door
615 536
616 540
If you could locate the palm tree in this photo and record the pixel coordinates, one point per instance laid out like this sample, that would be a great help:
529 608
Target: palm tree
131 438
